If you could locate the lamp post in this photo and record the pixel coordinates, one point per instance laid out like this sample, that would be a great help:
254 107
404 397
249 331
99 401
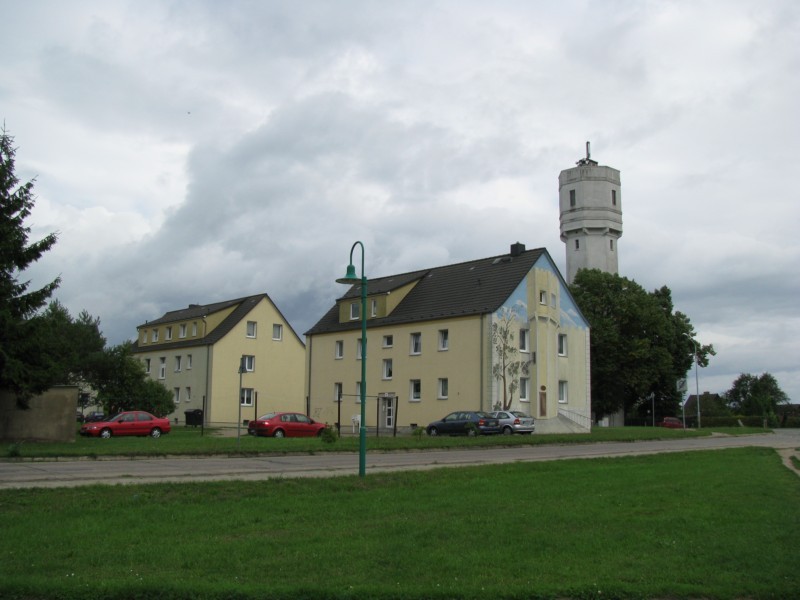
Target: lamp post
351 279
696 378
239 422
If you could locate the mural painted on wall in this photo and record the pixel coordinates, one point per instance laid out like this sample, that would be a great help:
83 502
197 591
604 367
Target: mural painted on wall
509 364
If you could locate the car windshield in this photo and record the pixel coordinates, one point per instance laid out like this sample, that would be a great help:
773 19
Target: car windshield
266 417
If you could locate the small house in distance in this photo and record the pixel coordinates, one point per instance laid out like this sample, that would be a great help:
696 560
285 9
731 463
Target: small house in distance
498 332
196 353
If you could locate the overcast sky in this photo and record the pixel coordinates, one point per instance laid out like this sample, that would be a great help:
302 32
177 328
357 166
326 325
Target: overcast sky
192 152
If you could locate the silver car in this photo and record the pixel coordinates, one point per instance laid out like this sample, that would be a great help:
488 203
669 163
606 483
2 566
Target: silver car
514 421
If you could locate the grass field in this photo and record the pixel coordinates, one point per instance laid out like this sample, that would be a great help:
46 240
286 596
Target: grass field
719 524
189 441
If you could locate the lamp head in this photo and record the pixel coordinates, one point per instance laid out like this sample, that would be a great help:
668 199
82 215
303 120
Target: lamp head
350 278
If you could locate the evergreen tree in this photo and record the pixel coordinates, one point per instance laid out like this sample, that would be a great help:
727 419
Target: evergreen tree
19 368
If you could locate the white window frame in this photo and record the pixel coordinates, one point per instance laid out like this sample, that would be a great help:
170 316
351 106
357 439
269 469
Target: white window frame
358 392
374 308
154 336
524 340
388 341
443 388
386 370
543 297
524 389
162 367
188 362
249 363
147 365
563 392
252 329
444 340
355 311
562 344
178 363
277 332
168 334
176 395
188 393
415 390
247 396
338 349
338 392
359 346
415 345
182 330
194 329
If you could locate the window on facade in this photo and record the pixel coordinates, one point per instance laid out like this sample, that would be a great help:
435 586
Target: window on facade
247 396
613 197
168 335
188 394
524 389
154 336
524 342
416 343
611 245
387 368
543 297
563 397
374 308
177 364
358 349
188 361
355 311
562 344
251 329
194 329
339 349
249 363
572 198
358 392
443 391
444 339
146 365
577 244
277 331
144 337
337 392
162 367
182 330
176 395
415 393
388 341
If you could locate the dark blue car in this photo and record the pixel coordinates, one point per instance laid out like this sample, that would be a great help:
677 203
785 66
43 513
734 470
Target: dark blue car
465 422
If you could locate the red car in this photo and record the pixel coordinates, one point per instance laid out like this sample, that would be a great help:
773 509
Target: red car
134 422
285 424
671 422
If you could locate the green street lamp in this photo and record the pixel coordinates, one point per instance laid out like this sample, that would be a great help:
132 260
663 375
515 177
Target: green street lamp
351 279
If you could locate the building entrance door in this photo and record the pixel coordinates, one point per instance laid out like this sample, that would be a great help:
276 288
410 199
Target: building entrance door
387 409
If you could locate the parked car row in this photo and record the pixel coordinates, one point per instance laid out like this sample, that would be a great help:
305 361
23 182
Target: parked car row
472 423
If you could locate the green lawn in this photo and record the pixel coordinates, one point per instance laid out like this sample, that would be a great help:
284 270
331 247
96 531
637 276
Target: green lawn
189 441
715 524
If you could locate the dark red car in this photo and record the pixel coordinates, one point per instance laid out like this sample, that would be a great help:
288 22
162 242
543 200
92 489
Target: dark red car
671 422
285 424
134 422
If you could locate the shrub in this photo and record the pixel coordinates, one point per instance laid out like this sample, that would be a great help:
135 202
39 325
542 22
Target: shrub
329 435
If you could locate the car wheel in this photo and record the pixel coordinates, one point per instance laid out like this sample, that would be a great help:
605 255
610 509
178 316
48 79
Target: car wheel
433 431
507 430
279 433
106 433
155 433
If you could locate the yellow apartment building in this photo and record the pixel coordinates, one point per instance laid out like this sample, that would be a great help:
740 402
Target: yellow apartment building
433 347
196 352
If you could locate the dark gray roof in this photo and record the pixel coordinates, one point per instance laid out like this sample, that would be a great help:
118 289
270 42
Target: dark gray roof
243 306
469 288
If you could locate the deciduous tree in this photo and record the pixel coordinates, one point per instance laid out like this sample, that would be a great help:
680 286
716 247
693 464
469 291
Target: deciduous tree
753 395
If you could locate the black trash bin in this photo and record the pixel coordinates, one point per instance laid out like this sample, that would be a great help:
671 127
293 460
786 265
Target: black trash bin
194 417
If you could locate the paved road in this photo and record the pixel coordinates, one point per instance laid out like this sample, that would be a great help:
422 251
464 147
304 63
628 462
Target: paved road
68 473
